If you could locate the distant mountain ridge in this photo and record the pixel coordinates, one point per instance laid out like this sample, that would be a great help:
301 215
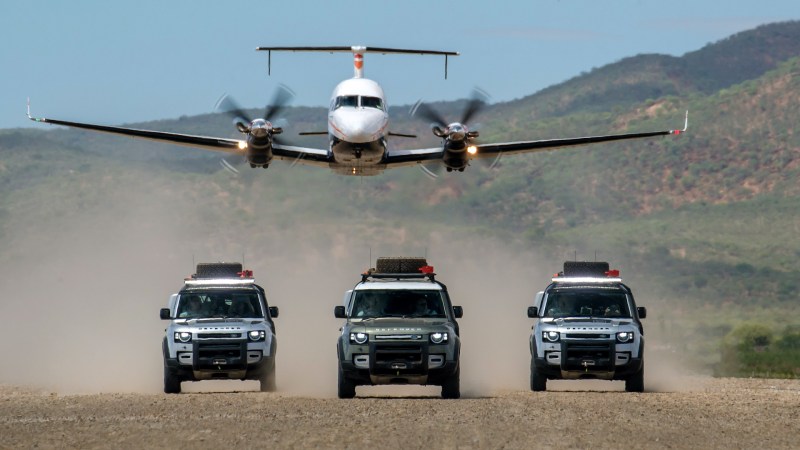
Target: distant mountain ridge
743 56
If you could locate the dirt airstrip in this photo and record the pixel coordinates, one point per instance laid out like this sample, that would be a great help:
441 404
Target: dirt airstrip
704 413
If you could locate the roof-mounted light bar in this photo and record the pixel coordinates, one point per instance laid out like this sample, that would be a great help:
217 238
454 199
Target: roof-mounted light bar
218 281
586 280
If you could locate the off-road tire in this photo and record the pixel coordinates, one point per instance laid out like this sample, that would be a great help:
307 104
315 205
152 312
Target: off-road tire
172 384
400 264
635 383
218 270
451 387
267 380
347 388
538 381
585 268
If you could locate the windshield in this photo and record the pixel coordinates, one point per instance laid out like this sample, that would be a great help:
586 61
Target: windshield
219 304
397 303
371 102
587 303
347 100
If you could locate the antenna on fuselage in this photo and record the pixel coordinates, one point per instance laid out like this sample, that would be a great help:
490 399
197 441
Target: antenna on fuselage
358 54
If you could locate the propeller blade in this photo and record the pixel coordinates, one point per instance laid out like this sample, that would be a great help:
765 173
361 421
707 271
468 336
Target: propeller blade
426 112
227 104
476 103
283 95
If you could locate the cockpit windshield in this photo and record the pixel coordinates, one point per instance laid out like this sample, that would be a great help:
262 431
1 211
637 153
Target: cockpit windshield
372 102
355 101
587 303
397 303
346 100
204 305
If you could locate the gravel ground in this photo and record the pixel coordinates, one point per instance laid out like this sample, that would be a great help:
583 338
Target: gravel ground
706 413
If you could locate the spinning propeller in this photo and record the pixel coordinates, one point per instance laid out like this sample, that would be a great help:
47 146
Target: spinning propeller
259 128
459 141
260 131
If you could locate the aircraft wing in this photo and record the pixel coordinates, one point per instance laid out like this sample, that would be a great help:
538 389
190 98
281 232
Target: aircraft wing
400 158
298 155
404 158
512 148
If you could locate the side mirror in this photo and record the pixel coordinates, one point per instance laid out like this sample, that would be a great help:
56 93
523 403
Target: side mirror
533 312
273 311
458 312
339 312
642 311
164 313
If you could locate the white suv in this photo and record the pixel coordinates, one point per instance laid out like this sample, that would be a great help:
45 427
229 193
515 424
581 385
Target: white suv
220 328
587 326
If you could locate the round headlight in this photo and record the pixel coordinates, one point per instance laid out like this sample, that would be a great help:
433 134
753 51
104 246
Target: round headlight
624 336
438 338
551 336
359 338
183 336
257 335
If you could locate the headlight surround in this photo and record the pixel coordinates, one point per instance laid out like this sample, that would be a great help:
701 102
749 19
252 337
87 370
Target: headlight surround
551 336
439 337
359 338
183 336
625 337
257 335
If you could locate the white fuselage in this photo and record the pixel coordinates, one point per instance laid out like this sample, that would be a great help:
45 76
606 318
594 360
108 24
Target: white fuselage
358 121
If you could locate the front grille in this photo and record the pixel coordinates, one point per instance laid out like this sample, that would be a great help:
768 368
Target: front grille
587 336
220 354
398 359
587 356
398 337
219 335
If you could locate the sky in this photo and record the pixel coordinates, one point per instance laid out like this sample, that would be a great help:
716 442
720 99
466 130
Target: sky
114 62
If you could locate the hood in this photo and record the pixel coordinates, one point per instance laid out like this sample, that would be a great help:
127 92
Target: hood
588 323
394 325
218 323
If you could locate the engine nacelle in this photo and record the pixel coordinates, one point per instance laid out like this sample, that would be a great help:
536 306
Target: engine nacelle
259 152
455 155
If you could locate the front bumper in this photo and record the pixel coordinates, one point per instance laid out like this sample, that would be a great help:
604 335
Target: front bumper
221 359
399 363
586 359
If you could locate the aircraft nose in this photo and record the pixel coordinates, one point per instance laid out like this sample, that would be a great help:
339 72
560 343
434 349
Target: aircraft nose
360 125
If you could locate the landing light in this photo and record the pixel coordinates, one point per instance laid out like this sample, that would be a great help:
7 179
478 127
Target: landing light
472 150
242 145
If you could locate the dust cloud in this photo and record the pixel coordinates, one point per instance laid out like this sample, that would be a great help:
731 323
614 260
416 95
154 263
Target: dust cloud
79 295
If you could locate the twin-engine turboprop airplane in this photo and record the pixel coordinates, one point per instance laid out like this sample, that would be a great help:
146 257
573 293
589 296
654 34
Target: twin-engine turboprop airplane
358 130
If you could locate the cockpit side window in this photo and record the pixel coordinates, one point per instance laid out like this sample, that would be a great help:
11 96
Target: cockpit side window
372 102
346 100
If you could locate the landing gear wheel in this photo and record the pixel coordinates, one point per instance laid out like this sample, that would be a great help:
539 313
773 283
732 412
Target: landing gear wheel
347 389
451 388
635 383
267 380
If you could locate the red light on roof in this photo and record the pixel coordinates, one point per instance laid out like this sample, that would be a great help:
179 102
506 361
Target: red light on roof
426 269
245 274
613 273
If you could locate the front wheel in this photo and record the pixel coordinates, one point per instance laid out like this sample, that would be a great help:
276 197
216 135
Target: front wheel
347 389
267 380
451 388
538 381
172 384
635 383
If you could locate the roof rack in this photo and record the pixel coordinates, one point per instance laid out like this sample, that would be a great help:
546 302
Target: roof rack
397 276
